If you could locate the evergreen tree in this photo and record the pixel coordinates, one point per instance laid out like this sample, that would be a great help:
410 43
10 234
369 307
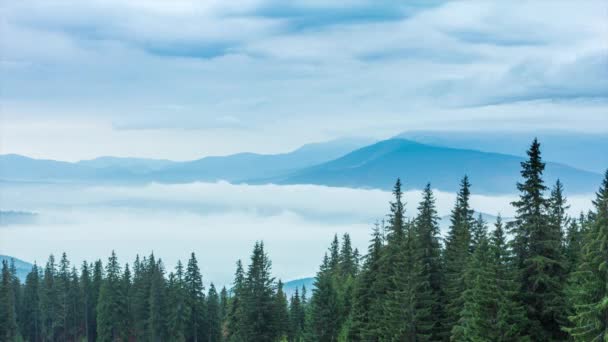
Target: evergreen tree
281 312
296 318
177 299
510 321
8 312
538 253
195 301
235 315
110 306
214 323
589 285
428 313
95 292
49 301
479 310
30 319
258 299
86 290
224 305
456 254
157 319
325 311
364 326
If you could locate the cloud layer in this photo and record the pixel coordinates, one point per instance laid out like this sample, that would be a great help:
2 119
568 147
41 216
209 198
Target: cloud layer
218 221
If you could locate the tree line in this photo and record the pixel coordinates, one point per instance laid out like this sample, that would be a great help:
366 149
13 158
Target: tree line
542 276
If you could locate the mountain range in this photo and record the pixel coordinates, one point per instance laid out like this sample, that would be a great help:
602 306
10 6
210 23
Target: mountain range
346 163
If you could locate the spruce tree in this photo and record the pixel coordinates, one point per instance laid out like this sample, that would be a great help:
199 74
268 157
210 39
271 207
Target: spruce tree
110 306
157 319
258 299
177 300
364 325
87 300
281 312
8 312
214 323
296 318
49 301
538 250
589 283
456 254
235 317
428 313
195 301
510 320
31 315
325 310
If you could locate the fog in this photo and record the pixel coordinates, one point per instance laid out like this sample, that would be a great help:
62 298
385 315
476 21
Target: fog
218 221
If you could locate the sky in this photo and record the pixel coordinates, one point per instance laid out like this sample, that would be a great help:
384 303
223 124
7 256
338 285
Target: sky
184 79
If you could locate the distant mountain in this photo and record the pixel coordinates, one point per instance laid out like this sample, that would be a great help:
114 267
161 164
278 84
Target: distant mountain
290 287
233 168
243 167
378 165
135 165
23 267
585 151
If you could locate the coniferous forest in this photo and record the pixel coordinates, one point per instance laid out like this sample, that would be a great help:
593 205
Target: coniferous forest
540 276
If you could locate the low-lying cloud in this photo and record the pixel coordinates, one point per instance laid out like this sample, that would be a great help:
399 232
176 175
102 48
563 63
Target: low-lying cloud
218 221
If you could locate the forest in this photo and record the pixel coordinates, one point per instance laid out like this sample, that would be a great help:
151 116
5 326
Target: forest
539 276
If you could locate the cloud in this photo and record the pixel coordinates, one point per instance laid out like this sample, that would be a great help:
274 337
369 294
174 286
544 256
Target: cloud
218 221
305 70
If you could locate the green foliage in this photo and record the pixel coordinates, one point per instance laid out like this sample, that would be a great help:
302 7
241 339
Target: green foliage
589 283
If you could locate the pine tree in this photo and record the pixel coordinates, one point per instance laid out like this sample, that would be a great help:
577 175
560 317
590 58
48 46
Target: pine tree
87 300
8 312
235 315
127 290
95 291
177 299
296 318
31 315
456 254
63 287
364 326
479 310
195 300
395 276
224 305
258 299
510 321
110 306
428 288
589 284
325 310
157 319
49 301
538 251
214 323
281 312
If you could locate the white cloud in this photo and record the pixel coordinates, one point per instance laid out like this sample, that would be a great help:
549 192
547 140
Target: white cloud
218 221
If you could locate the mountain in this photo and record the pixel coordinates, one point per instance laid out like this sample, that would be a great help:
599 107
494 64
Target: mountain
23 268
244 167
290 287
378 165
134 165
234 168
585 151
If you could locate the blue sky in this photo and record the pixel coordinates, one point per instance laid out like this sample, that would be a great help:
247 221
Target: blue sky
187 78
